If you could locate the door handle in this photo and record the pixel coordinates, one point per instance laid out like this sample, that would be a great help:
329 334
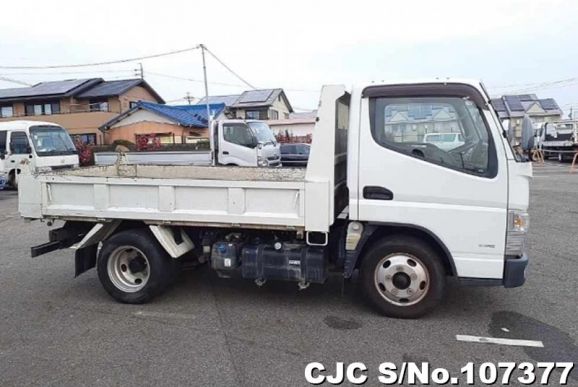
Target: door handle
377 193
225 152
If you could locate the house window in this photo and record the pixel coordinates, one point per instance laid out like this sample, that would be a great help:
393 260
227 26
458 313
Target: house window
6 111
273 114
132 104
98 105
87 139
286 116
256 114
38 109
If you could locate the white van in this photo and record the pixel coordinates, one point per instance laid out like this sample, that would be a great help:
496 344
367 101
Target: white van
46 146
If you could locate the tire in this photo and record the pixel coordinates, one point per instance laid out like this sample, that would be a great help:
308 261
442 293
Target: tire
403 277
134 268
13 180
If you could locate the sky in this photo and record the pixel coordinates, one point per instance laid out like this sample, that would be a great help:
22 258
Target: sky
513 46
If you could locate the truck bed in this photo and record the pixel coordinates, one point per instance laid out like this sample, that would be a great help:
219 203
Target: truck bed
272 198
155 194
156 158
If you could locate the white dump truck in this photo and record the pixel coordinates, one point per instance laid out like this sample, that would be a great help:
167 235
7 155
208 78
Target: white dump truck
244 143
375 197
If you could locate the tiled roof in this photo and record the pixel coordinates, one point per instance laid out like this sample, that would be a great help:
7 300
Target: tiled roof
184 115
250 98
49 89
110 88
228 100
115 88
78 88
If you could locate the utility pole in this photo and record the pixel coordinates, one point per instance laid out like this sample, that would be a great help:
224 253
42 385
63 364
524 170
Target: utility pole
209 123
140 71
188 97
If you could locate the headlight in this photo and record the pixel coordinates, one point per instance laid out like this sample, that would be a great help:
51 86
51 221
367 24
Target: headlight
262 162
518 223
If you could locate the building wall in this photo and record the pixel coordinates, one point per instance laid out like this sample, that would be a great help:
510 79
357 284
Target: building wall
75 123
135 94
281 108
172 131
76 117
298 128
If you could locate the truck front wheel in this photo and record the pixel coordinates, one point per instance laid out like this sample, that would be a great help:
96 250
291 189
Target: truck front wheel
403 277
133 268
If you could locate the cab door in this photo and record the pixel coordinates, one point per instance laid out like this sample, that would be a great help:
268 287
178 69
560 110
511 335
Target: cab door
18 150
458 194
237 145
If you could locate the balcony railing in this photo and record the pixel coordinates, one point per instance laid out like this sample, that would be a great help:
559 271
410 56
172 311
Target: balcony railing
73 109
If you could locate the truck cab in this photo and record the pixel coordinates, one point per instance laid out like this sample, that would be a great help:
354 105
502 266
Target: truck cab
247 144
44 145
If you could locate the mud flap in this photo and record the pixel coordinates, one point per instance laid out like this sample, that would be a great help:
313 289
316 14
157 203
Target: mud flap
85 259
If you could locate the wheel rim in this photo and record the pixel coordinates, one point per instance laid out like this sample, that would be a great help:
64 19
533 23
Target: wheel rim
128 269
401 279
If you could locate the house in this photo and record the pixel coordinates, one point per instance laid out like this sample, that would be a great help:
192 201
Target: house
79 105
297 128
172 124
514 107
265 104
411 122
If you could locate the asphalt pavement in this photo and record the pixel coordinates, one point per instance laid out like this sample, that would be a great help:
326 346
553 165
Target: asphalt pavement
59 330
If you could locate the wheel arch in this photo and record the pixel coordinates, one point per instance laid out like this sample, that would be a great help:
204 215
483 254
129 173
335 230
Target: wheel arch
379 231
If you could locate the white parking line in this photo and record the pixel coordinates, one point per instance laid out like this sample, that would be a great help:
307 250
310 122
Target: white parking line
495 340
166 315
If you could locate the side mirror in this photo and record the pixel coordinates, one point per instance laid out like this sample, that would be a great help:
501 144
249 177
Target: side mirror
2 155
28 149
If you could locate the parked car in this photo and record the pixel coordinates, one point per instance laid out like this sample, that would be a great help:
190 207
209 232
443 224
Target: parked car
295 154
444 141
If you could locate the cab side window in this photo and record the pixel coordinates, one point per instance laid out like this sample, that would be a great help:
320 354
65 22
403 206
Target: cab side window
19 143
448 131
238 134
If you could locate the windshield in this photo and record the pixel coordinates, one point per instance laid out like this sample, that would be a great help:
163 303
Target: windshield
262 132
51 141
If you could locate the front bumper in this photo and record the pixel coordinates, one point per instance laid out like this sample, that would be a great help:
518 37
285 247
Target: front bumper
515 271
514 274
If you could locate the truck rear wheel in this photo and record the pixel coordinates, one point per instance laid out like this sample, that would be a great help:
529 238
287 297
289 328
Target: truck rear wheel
133 268
403 277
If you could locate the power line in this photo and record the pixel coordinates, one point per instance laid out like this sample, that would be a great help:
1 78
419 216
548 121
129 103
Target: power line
102 63
14 81
192 79
70 72
229 69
